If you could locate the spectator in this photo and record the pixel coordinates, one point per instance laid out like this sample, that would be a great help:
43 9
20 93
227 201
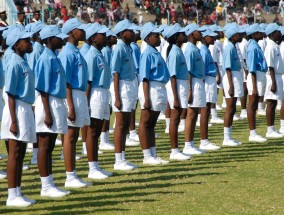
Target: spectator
219 10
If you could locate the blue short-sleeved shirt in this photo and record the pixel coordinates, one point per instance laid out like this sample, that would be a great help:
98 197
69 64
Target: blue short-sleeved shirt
84 49
2 76
195 64
75 67
231 59
152 66
122 62
50 75
177 64
255 57
136 55
209 65
34 56
20 79
7 57
98 69
107 53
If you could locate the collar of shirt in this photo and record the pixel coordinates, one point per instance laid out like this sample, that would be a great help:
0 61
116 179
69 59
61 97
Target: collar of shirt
253 42
72 47
204 47
123 44
153 50
86 45
18 58
194 47
95 50
50 52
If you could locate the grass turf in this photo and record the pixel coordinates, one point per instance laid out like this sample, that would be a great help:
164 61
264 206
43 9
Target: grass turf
243 180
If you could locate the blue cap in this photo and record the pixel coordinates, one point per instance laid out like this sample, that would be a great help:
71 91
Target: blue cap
110 33
37 26
163 27
3 28
263 26
193 27
10 28
72 24
96 28
216 28
253 29
243 28
282 30
136 27
148 28
171 30
15 35
209 33
228 25
270 28
123 25
52 31
231 31
28 27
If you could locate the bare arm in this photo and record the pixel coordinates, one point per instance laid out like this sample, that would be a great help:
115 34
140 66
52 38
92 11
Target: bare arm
45 101
147 104
117 102
230 80
174 89
71 114
12 109
272 75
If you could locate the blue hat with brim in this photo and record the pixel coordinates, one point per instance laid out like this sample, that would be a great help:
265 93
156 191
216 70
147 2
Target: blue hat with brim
123 25
209 33
52 31
216 28
271 28
15 35
231 31
171 30
253 29
193 27
28 27
10 28
96 28
72 24
263 26
148 28
110 33
37 26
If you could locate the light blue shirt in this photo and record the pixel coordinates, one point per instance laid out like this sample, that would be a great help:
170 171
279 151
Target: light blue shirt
107 53
177 64
34 56
50 75
122 62
209 65
98 69
231 58
136 55
84 49
2 76
255 58
20 79
7 57
75 67
195 64
152 66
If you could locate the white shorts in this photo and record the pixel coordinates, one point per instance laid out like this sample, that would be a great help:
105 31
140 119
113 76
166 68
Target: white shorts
1 104
198 93
99 103
81 109
211 89
260 82
25 120
4 96
237 78
58 110
127 96
158 96
278 95
182 91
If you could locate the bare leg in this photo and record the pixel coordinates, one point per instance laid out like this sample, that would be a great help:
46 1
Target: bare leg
175 118
190 123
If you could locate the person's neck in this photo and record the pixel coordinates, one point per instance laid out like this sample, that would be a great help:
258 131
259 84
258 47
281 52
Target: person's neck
50 46
21 54
153 46
125 41
73 41
97 46
192 40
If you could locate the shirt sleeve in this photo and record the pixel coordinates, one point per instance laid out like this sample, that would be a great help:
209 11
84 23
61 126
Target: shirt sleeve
270 57
189 57
227 59
66 61
145 66
252 63
11 79
43 75
116 60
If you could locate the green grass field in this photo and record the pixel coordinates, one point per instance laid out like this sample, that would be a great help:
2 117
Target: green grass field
243 180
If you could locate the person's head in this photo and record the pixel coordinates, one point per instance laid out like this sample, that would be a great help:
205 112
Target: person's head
193 32
37 15
208 37
111 38
36 28
273 32
255 32
218 30
175 34
151 34
233 35
3 15
125 31
7 31
75 29
96 33
52 37
21 16
19 41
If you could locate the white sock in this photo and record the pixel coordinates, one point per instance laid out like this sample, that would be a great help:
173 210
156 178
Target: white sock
243 111
35 151
227 133
46 183
118 158
19 192
260 105
168 121
182 122
132 132
270 129
175 151
214 113
70 175
189 144
146 153
204 141
153 152
12 193
50 178
252 133
281 123
103 137
123 155
198 118
224 100
93 166
107 136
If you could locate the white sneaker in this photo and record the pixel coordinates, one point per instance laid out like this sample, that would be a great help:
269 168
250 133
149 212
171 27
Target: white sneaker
29 150
18 201
274 134
192 150
97 175
123 166
85 182
243 116
151 161
33 161
3 156
257 138
54 192
167 130
28 199
74 183
110 131
58 142
106 146
180 128
25 167
134 136
224 105
236 118
79 139
162 160
209 147
137 124
3 175
161 117
106 172
131 164
218 107
278 107
238 102
130 142
179 156
216 121
281 130
261 112
30 146
231 142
